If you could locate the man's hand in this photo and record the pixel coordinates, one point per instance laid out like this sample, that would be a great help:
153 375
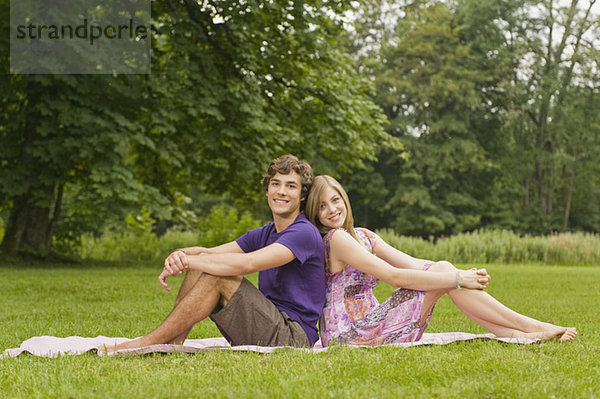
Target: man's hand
194 250
175 264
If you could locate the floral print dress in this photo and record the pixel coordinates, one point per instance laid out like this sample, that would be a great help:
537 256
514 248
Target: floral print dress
353 315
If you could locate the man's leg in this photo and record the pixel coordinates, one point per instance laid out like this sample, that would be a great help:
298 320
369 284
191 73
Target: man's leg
249 318
189 281
195 305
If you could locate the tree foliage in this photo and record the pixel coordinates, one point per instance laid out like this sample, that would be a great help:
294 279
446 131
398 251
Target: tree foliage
493 101
233 85
433 87
554 64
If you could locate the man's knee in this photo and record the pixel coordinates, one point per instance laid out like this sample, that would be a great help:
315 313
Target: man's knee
228 283
225 285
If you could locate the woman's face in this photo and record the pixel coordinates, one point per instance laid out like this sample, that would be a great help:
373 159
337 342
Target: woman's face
332 210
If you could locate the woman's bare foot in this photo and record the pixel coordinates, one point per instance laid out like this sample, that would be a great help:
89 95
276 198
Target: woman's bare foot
565 333
569 334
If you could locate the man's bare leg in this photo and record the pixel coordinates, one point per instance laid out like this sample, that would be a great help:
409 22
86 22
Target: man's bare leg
189 281
197 304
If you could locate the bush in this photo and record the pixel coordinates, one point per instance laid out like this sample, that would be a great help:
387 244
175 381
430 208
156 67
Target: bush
224 224
138 242
501 246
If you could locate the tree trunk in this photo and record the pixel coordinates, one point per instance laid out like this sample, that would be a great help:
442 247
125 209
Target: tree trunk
525 183
30 225
34 213
569 197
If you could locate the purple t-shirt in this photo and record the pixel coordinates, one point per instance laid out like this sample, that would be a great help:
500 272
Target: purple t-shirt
296 288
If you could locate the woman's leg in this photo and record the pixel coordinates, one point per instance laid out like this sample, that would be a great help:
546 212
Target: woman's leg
501 321
492 315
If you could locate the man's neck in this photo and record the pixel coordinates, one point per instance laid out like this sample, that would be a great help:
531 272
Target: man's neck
282 222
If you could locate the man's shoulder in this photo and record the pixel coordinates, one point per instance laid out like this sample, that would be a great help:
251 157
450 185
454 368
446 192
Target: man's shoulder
303 224
304 240
255 238
264 229
303 233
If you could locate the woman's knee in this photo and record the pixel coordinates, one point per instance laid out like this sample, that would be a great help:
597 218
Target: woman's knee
442 266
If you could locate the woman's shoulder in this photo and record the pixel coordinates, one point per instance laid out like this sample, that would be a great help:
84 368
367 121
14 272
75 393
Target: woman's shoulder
329 235
366 237
364 230
359 231
363 235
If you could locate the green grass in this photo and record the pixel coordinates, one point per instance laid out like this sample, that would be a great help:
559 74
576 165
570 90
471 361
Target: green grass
106 299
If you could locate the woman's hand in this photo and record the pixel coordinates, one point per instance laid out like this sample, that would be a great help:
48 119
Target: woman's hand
175 264
477 279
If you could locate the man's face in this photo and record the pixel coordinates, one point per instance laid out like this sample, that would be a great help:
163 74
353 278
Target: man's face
284 194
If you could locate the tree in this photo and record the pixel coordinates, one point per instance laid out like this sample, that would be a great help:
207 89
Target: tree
61 129
553 56
435 83
493 101
579 140
233 85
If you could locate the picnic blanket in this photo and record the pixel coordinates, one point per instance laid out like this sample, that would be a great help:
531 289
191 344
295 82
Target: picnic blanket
47 346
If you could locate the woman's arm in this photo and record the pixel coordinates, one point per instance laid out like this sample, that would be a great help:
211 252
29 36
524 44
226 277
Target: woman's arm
346 250
396 257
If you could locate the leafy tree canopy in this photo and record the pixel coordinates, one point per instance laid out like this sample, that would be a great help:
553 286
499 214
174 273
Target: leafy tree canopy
233 85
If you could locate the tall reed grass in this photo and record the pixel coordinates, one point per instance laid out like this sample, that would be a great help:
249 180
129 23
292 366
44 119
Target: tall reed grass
471 248
502 246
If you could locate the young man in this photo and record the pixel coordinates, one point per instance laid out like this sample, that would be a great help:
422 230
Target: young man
288 253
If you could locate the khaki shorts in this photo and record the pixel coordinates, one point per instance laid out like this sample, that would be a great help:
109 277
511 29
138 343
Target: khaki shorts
251 319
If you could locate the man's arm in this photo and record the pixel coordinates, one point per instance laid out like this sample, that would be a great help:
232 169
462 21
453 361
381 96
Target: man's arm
220 249
228 264
179 258
177 261
239 264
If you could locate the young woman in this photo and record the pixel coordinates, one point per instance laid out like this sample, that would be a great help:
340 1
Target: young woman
357 258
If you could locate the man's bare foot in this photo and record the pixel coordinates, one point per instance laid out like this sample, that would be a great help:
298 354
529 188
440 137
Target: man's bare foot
109 349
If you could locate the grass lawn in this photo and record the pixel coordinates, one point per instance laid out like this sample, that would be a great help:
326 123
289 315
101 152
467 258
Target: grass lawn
105 299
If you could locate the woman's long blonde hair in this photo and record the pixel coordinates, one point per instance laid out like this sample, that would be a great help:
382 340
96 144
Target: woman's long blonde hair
314 200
